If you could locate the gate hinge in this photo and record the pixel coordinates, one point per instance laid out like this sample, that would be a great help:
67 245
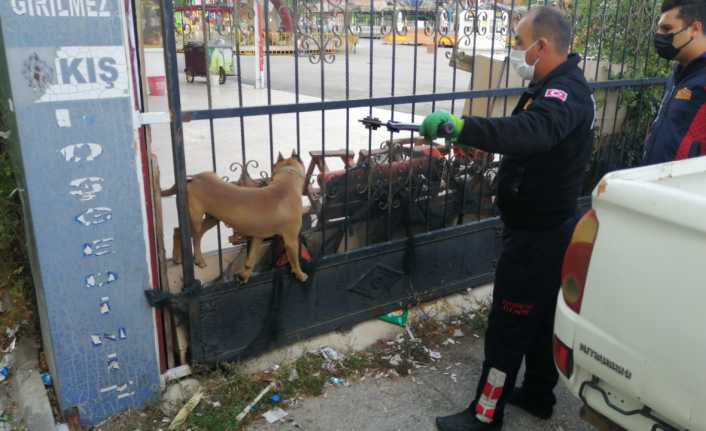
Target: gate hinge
176 303
145 118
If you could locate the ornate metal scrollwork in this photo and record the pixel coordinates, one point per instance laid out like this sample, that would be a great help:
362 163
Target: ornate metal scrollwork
466 24
465 35
320 28
397 24
241 171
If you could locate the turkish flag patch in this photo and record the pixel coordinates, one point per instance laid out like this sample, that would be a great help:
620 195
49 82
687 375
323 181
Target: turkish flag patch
556 94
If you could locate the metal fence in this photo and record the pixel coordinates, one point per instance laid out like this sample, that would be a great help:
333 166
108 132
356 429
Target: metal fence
368 187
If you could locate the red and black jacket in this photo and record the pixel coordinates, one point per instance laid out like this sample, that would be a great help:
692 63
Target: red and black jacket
679 131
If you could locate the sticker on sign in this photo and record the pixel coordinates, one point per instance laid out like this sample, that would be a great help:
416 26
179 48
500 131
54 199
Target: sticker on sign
88 72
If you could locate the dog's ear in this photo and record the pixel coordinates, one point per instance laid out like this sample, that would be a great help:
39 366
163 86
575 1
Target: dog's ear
295 156
279 157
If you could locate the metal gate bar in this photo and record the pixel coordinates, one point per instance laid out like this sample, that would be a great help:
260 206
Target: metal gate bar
251 111
209 96
177 133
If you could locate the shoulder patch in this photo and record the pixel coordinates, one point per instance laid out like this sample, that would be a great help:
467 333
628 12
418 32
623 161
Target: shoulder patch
556 94
684 94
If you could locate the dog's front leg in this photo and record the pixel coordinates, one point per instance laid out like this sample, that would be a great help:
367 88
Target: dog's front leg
253 257
291 246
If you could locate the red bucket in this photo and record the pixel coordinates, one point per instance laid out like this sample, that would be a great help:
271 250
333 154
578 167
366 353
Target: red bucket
158 85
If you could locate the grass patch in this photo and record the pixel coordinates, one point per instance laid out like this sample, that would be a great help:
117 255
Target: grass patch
477 320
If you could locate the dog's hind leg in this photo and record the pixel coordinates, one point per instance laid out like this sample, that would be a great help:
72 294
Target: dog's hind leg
199 260
291 246
254 255
197 230
176 246
207 223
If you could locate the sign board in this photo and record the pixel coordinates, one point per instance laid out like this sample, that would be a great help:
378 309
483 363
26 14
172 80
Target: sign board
75 142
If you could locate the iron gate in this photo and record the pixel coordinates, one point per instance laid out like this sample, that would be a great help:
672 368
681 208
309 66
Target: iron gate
399 222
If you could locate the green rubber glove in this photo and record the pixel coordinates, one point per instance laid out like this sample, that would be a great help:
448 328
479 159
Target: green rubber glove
430 126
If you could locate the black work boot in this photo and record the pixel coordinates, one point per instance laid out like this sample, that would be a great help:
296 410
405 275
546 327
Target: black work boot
537 406
465 421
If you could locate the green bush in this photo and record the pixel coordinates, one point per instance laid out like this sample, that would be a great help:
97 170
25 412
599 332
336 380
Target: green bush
621 32
15 275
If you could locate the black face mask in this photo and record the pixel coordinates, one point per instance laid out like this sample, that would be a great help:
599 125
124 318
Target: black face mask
664 44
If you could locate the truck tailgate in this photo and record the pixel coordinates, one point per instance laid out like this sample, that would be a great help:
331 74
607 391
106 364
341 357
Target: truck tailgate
656 217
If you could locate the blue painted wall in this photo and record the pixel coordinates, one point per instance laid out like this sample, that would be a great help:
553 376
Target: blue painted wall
75 141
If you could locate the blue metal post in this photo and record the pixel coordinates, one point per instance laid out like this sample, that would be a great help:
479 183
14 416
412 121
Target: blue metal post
67 67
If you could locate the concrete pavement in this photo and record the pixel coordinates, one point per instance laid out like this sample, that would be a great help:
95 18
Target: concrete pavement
411 403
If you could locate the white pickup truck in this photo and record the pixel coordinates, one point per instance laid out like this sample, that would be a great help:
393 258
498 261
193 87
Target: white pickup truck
630 328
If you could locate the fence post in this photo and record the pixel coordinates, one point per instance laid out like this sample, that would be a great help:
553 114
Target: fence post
67 67
259 40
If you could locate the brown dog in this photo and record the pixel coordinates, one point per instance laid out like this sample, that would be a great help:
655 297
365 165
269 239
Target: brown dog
256 213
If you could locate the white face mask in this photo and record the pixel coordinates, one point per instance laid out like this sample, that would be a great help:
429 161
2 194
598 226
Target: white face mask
519 63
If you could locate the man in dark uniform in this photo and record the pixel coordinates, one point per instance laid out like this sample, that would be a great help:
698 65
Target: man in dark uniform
679 131
546 145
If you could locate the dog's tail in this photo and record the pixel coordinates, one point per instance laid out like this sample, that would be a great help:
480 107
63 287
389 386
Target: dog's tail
170 191
173 189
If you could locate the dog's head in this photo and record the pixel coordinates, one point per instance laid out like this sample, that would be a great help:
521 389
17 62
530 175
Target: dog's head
293 164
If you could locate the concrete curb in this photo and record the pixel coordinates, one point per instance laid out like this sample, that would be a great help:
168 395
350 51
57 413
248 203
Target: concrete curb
27 389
